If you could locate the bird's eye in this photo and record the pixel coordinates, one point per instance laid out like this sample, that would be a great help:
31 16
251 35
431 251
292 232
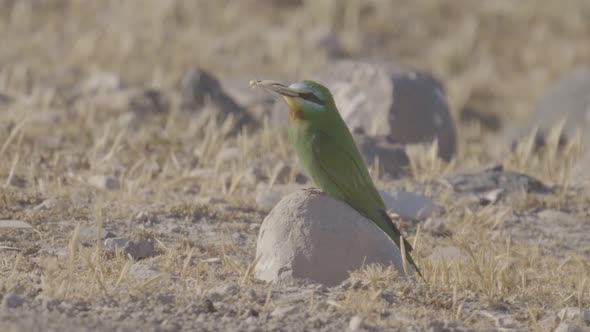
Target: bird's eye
309 96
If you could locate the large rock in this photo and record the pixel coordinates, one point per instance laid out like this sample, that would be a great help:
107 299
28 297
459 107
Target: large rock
403 104
313 237
568 99
393 159
199 87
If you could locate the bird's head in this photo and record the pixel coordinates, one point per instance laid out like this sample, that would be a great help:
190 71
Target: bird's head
306 99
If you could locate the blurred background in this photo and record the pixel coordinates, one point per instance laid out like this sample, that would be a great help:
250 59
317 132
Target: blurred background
499 55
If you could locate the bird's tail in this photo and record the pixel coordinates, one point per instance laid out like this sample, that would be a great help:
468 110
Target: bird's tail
387 225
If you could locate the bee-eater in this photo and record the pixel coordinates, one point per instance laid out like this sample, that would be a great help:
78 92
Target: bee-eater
329 155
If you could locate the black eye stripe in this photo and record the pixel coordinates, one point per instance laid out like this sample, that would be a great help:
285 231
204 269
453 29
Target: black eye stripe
309 96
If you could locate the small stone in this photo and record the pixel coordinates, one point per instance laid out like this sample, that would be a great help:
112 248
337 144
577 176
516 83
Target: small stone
12 223
355 323
220 292
228 155
6 99
137 249
18 182
101 82
494 177
445 326
89 233
281 312
149 101
447 254
144 270
49 203
436 226
491 197
104 182
310 236
116 242
408 205
502 320
12 301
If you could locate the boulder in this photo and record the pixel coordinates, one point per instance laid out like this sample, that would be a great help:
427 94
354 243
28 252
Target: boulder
406 105
309 236
199 87
568 100
393 159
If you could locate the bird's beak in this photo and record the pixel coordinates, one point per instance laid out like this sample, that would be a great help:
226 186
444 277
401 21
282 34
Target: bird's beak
277 87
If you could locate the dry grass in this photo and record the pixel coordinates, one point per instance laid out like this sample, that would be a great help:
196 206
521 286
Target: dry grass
178 167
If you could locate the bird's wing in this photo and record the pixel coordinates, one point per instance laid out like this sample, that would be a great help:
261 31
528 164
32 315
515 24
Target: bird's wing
344 169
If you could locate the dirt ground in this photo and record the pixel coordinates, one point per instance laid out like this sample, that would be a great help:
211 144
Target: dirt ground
77 167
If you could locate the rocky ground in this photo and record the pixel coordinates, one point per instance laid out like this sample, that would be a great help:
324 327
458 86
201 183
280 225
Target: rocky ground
137 167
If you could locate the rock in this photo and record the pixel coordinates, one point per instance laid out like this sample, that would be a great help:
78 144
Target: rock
446 326
11 301
281 312
17 182
494 177
137 249
88 234
310 236
355 323
500 319
220 292
436 226
198 86
405 105
447 254
13 223
104 182
567 99
408 205
228 154
6 99
393 159
144 270
100 82
148 101
491 197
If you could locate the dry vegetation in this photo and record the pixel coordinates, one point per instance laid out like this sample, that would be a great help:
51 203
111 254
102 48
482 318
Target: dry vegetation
189 183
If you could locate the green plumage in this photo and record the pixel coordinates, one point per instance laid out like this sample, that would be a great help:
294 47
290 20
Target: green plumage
330 157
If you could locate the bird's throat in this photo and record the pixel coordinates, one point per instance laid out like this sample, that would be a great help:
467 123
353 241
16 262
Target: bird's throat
295 112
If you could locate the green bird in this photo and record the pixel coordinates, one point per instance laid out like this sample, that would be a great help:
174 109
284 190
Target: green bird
329 154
